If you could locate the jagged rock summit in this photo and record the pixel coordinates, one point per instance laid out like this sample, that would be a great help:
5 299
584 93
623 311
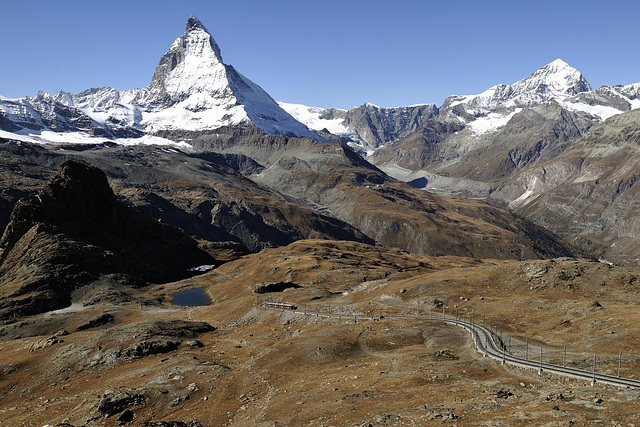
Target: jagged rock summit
192 79
191 90
556 80
193 64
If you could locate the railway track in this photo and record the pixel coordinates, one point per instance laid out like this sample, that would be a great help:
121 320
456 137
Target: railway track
486 343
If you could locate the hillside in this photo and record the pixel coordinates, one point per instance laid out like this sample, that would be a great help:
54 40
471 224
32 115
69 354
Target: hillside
232 363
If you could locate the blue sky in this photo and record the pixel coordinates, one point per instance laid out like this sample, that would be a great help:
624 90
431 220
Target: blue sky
322 53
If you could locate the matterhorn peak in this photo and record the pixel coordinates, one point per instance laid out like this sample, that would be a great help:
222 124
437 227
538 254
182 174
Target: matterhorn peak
193 64
194 23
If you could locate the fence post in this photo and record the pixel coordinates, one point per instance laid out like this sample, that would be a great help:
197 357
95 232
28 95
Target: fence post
619 363
540 371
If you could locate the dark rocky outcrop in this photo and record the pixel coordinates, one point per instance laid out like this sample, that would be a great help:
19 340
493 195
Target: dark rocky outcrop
191 423
149 348
263 288
117 400
73 232
98 321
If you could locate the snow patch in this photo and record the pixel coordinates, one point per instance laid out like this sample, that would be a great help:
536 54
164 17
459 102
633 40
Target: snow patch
491 122
51 137
311 117
522 200
601 111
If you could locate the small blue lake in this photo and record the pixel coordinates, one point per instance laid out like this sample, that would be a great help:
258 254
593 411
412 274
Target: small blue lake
191 297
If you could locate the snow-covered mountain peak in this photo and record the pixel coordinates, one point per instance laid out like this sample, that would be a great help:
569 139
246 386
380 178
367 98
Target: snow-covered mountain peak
193 64
556 78
191 89
200 38
194 23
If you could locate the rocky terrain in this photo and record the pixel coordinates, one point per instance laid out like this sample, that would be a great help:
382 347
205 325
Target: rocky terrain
232 363
115 202
364 128
589 190
74 233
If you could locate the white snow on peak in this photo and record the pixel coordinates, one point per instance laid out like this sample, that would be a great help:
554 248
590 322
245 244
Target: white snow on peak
201 69
556 80
191 89
494 107
312 118
207 94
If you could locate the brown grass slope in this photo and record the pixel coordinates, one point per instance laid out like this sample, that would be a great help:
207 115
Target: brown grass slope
255 367
339 182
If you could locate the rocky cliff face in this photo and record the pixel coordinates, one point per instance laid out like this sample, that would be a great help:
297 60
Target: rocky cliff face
341 183
73 232
367 127
589 192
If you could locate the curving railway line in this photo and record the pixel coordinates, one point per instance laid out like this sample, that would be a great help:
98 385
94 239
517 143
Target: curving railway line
487 344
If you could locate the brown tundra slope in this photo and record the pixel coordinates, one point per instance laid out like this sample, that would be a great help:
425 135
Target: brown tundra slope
102 362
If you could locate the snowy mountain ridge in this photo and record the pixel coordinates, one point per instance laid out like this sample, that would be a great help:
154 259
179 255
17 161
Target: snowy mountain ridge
555 80
486 112
191 89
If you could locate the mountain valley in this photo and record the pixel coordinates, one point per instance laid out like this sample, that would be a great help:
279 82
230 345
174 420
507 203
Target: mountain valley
515 207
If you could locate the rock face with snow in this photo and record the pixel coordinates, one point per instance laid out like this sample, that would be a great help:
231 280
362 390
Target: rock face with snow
486 137
553 81
590 191
367 127
548 146
191 89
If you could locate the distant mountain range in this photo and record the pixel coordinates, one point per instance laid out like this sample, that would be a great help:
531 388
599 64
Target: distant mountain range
191 89
518 146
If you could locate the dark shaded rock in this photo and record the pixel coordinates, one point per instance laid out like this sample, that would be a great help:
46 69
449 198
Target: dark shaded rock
98 321
503 394
173 328
446 354
125 417
191 423
73 232
263 288
117 400
149 348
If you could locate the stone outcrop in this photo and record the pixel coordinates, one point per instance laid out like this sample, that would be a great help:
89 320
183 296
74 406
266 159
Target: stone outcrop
75 231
